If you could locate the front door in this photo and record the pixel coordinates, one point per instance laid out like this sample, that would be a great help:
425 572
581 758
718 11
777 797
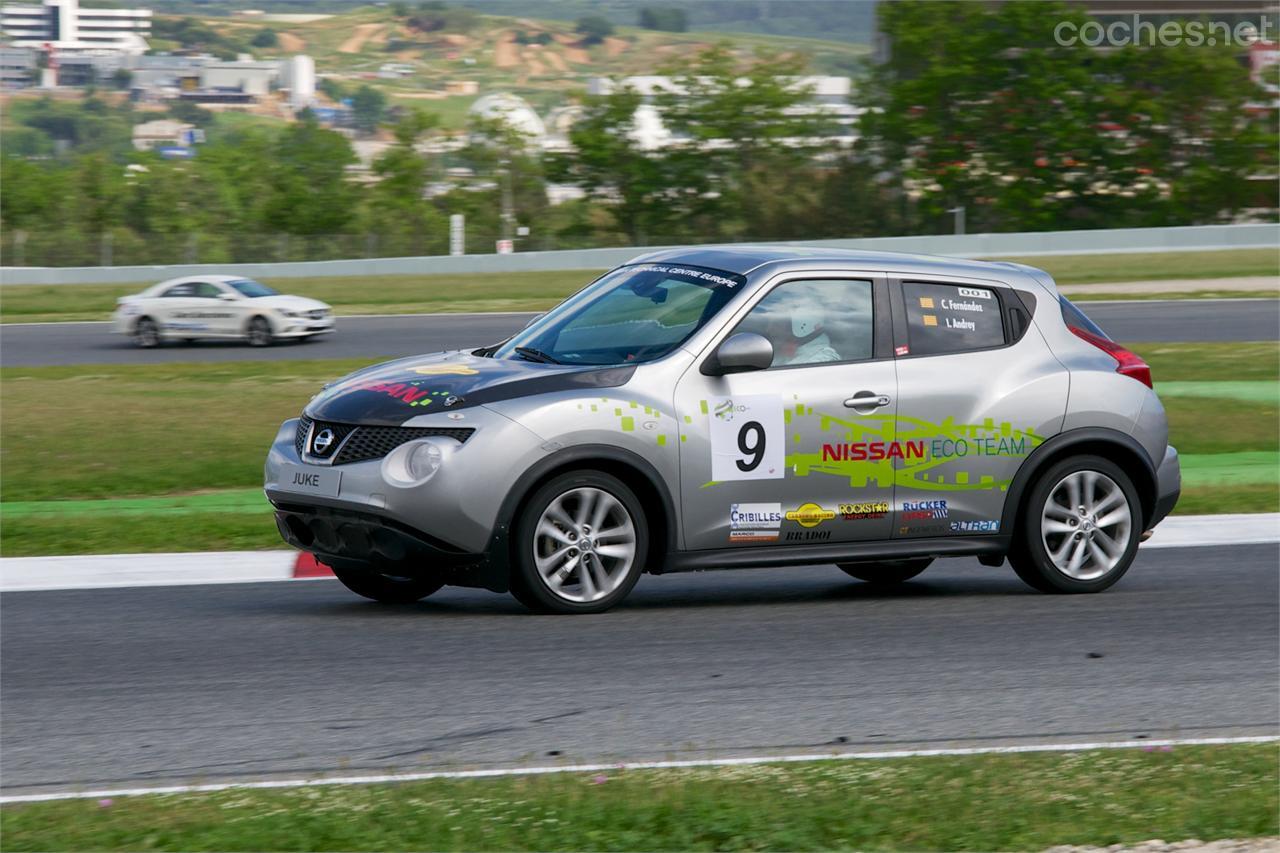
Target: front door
801 452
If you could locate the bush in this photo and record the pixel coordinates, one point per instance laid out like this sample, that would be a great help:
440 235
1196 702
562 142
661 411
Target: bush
265 38
594 29
667 19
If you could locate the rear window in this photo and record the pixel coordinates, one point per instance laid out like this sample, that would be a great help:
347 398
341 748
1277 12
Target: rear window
1073 316
944 318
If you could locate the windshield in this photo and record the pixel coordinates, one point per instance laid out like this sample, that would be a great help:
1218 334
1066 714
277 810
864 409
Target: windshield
635 313
252 289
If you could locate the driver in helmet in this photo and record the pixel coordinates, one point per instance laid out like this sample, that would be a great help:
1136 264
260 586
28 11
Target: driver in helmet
803 340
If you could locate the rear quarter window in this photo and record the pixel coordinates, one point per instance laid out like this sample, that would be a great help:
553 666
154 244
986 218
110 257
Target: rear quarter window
943 318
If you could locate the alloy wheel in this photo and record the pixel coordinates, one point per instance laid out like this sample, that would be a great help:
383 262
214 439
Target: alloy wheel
584 544
1086 525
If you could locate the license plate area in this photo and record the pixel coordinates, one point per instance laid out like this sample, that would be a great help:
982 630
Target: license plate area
309 480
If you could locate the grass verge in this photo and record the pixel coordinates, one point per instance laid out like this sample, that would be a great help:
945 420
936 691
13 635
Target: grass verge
984 802
179 467
537 291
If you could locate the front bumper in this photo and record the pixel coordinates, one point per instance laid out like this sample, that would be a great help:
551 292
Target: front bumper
1168 486
295 327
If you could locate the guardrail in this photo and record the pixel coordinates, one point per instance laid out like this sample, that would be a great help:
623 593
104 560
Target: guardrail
1177 239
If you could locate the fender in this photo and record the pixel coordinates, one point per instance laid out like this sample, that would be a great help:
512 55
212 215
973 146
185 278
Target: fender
498 565
1036 461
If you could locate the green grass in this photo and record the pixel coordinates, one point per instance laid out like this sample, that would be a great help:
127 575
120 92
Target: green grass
986 802
537 291
1152 266
169 457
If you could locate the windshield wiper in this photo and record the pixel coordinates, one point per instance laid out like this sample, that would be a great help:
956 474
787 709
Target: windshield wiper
536 355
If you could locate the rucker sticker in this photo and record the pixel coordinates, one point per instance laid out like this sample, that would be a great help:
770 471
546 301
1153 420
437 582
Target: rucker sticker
747 438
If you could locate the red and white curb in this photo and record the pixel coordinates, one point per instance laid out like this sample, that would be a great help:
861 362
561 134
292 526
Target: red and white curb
132 570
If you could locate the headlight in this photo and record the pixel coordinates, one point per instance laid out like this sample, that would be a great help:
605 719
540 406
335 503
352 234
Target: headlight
415 462
286 312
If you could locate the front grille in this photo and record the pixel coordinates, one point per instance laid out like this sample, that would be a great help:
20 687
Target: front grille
375 442
300 437
318 314
370 442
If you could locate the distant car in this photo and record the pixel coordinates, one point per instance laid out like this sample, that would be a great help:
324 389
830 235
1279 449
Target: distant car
219 307
746 406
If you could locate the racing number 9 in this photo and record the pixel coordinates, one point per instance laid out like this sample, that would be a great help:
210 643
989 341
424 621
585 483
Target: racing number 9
751 448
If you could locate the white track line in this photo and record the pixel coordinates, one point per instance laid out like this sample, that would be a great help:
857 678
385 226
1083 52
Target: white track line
384 778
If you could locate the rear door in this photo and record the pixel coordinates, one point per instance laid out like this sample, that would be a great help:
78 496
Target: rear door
978 390
800 452
172 308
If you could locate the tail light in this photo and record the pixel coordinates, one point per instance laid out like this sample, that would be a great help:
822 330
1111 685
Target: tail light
1128 363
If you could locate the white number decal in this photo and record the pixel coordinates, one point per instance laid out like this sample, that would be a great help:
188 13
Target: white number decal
748 438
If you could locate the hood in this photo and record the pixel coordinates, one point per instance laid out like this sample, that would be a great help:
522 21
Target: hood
393 392
292 303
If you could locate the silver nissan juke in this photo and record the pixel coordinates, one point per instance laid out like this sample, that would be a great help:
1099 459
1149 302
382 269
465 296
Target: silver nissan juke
735 407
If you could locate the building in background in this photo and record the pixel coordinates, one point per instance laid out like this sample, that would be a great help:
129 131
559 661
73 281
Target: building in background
18 67
298 75
63 26
163 133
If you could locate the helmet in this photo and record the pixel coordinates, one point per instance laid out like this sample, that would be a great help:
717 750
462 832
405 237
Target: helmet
806 321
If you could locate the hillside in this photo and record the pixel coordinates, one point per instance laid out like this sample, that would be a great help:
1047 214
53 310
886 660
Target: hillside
543 61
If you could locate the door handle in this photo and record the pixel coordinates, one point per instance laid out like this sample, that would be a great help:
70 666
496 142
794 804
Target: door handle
867 400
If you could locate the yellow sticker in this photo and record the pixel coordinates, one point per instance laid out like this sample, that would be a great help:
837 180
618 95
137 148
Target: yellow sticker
445 369
930 320
810 515
926 301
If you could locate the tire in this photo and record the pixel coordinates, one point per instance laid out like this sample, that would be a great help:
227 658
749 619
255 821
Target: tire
556 543
146 333
1062 549
386 589
260 332
188 341
887 573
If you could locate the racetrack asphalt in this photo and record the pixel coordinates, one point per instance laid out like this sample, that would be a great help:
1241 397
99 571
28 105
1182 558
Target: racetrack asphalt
377 337
209 683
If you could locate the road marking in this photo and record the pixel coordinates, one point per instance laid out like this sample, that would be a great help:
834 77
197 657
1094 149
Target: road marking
384 778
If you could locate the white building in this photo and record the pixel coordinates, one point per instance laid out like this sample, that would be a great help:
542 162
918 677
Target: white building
162 133
514 112
64 26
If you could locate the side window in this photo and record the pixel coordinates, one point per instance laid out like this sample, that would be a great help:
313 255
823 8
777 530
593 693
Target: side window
204 290
944 318
815 322
184 289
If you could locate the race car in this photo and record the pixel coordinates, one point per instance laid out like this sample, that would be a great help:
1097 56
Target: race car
738 407
219 307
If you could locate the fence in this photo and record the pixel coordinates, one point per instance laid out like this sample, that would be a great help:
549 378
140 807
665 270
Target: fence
1179 239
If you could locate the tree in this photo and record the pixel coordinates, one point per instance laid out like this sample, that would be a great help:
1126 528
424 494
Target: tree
265 38
367 107
669 19
309 193
399 10
594 29
396 210
189 112
122 78
978 106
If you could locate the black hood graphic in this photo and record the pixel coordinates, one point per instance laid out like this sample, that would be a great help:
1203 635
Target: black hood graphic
390 393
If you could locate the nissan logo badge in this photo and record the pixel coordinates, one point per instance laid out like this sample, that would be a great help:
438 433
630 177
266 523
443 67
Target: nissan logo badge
322 441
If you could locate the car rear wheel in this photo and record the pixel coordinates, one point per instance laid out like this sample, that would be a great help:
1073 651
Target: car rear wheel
1080 527
886 573
580 544
146 333
259 332
387 589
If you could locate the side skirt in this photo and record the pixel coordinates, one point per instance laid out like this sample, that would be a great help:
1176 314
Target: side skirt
833 552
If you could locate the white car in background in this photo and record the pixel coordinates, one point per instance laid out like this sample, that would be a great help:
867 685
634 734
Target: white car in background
219 307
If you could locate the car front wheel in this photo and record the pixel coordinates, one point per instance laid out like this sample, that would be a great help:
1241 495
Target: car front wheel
1080 527
146 333
387 589
580 544
259 332
886 573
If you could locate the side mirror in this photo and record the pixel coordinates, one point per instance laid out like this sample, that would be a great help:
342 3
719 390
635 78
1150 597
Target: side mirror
228 297
742 352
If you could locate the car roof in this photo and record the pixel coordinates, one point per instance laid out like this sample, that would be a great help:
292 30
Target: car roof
747 258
